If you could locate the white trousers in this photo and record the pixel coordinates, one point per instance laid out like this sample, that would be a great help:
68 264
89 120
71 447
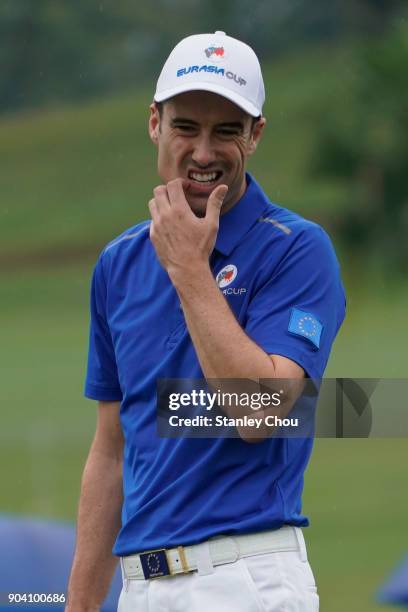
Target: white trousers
272 582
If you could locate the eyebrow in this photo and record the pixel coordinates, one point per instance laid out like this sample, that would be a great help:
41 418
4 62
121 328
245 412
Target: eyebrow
183 120
225 124
232 125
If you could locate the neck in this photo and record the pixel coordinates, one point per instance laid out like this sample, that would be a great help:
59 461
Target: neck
235 198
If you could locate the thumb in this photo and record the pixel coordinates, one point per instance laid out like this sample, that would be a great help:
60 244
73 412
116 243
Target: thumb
215 201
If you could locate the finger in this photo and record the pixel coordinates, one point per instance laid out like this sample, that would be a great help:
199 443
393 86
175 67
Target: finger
214 203
161 198
153 209
152 231
177 197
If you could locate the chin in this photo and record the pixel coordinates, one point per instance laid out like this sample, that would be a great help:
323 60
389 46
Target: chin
198 208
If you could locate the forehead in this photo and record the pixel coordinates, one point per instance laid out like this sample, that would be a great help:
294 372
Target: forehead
204 107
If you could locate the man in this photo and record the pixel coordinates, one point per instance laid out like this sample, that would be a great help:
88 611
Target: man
221 284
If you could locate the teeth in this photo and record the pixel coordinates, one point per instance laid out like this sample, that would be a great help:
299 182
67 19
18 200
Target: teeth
203 178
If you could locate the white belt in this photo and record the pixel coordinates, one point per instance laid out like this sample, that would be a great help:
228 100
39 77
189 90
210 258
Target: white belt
166 562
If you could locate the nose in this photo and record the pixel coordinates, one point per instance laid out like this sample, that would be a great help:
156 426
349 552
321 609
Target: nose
203 154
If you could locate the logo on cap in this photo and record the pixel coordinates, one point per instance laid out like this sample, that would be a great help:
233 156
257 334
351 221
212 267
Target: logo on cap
215 52
226 276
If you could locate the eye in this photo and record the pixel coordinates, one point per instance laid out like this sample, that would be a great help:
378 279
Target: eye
185 128
228 132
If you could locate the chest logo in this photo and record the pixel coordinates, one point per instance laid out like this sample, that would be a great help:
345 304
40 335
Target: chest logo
226 276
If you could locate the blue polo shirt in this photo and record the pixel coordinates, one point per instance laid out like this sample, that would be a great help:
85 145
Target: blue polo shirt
280 276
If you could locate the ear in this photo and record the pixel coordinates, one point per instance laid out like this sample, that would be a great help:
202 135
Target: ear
256 135
154 123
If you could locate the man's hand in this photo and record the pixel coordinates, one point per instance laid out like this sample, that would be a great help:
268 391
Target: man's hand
182 240
183 243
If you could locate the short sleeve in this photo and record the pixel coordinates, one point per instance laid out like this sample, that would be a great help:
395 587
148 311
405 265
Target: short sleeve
102 382
298 308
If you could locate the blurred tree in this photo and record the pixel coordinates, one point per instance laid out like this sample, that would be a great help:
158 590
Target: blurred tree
46 51
283 26
54 50
362 142
368 16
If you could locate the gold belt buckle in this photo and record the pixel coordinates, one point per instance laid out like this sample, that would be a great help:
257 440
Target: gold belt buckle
183 560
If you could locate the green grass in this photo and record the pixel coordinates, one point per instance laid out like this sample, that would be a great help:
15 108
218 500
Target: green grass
356 493
373 339
46 423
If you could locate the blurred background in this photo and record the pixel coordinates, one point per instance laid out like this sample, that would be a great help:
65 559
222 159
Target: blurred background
77 168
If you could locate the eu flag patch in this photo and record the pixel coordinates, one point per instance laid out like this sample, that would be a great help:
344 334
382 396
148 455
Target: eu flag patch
306 325
154 564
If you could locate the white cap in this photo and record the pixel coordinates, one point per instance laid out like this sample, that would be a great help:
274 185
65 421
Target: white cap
214 62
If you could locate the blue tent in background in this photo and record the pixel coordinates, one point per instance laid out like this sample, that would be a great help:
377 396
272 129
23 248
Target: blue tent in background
36 557
395 589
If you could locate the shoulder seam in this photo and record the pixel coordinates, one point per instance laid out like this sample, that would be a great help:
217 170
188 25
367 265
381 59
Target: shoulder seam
126 237
284 228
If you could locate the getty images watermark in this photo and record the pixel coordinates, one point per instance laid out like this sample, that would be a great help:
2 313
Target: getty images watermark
329 408
229 402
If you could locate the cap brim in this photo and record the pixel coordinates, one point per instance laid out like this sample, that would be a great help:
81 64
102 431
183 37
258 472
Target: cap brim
240 101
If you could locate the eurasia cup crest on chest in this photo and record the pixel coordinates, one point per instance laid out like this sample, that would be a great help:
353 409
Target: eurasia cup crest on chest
226 276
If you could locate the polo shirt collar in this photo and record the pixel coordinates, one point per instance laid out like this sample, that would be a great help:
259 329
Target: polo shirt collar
242 216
